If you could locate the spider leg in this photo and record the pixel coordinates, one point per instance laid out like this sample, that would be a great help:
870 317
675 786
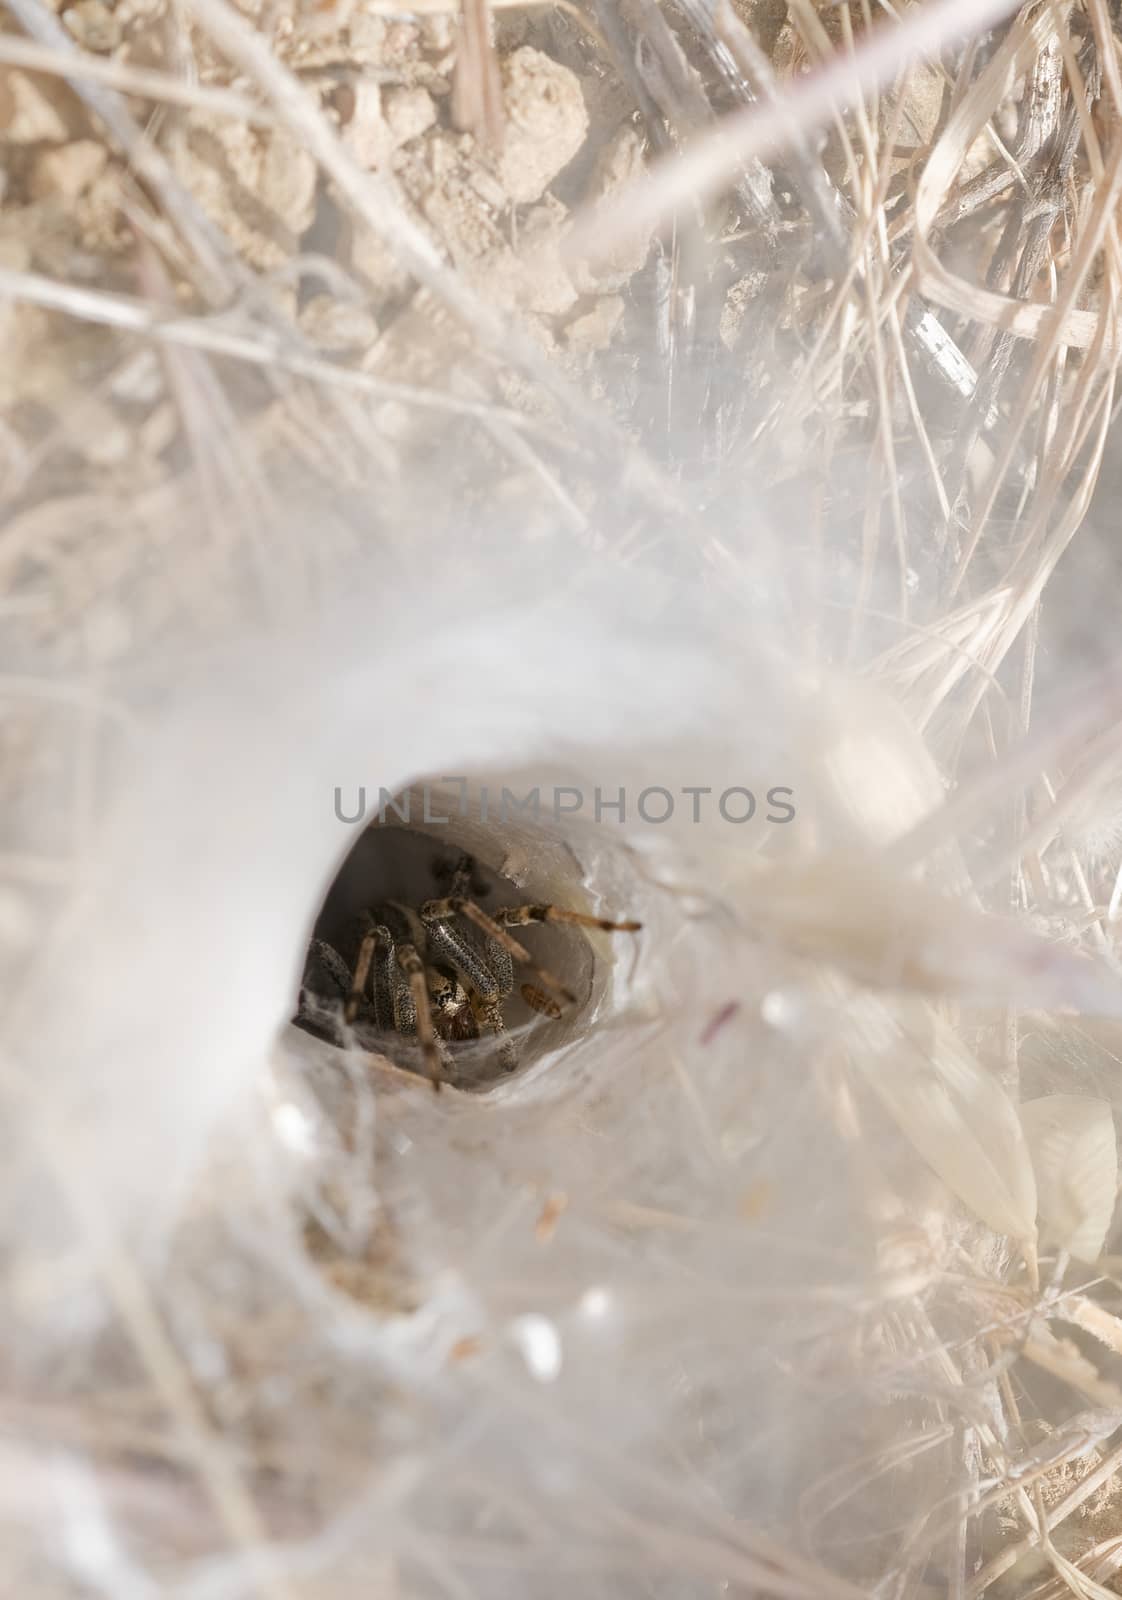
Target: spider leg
520 916
324 971
414 969
489 1014
438 911
324 961
397 977
538 1000
394 1007
461 879
375 939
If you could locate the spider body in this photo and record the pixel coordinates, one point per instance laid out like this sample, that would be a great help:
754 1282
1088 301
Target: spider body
438 973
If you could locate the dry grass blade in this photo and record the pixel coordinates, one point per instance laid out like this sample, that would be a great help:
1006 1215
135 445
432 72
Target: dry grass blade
761 131
144 82
211 249
221 338
477 95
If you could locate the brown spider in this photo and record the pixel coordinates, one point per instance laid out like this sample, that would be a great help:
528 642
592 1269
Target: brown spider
439 973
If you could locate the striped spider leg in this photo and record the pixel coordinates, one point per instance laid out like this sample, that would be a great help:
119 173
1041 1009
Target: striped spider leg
403 989
325 973
502 950
483 964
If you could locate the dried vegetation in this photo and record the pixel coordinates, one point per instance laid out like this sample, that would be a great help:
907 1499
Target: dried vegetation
739 294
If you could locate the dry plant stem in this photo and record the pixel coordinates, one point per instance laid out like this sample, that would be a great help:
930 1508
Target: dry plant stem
1024 1475
234 490
924 331
1066 322
623 51
814 385
987 185
144 82
519 448
997 618
1007 1558
1043 104
204 333
1040 120
713 160
664 71
1103 220
1092 148
1101 755
214 253
1033 568
1032 219
1039 219
671 83
879 361
821 198
477 96
1059 728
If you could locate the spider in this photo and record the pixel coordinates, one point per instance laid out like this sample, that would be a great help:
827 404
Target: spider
439 973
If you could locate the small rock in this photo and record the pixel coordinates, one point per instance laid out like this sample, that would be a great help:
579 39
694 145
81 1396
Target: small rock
339 101
438 33
98 215
545 285
140 381
377 265
96 432
30 111
287 181
408 113
443 156
441 186
546 122
367 137
488 188
93 25
402 41
257 185
108 634
620 162
596 328
737 301
68 171
336 326
15 255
